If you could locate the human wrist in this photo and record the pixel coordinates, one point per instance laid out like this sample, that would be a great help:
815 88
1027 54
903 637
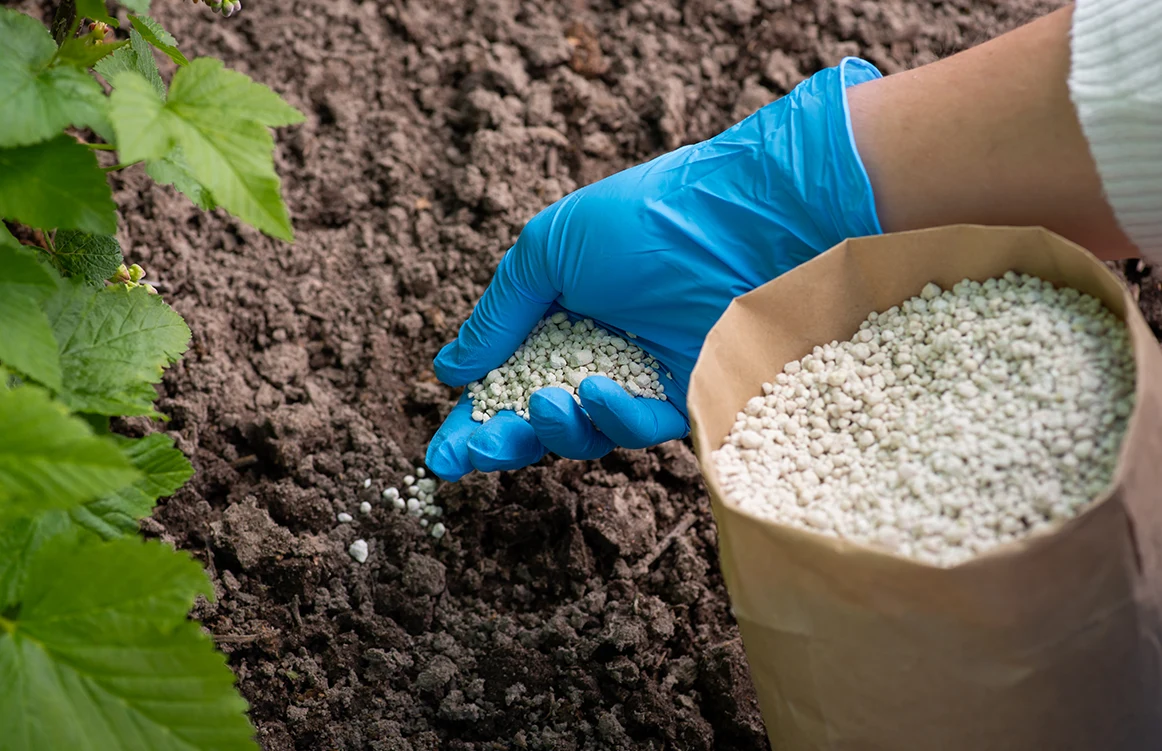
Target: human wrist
987 136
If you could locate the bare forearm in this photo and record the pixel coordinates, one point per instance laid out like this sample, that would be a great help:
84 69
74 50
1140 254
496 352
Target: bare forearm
988 136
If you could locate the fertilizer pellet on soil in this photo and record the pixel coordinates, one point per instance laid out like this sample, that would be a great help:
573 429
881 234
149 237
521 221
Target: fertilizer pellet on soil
562 353
956 422
418 500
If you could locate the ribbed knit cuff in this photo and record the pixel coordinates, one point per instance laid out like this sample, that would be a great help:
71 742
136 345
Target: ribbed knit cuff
1116 87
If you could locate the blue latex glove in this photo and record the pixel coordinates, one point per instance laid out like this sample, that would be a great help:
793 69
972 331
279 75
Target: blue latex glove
659 250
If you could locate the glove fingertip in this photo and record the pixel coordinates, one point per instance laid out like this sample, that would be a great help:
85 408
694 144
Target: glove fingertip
550 407
447 453
600 389
632 422
564 428
449 365
506 441
445 462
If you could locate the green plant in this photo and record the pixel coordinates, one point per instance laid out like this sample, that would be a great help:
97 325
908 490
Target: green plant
96 649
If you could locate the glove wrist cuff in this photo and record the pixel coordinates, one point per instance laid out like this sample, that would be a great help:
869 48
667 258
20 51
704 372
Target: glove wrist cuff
822 157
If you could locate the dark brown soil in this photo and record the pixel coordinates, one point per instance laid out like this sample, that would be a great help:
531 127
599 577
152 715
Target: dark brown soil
435 129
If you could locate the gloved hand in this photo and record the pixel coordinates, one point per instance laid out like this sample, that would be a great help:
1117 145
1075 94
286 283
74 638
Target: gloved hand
658 250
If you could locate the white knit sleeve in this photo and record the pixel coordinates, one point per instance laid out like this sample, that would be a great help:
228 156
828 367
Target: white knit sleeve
1116 87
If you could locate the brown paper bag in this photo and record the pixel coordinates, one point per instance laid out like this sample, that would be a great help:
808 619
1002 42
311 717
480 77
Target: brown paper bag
1053 643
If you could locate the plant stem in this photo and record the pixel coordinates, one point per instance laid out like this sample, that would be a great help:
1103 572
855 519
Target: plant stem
62 21
101 146
72 31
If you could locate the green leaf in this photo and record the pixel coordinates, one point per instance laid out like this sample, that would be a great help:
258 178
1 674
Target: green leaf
19 539
210 91
114 344
138 56
20 273
153 33
25 38
50 459
93 258
146 63
84 52
140 118
238 169
174 170
96 652
137 6
218 118
99 423
38 101
125 58
27 344
56 183
95 10
164 469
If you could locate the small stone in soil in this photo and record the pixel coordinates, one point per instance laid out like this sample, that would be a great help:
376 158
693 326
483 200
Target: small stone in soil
344 517
358 550
365 508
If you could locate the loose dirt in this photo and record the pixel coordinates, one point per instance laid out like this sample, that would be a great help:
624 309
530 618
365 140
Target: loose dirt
556 613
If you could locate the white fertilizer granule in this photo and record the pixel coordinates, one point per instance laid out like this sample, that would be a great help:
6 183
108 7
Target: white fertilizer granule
563 353
956 422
